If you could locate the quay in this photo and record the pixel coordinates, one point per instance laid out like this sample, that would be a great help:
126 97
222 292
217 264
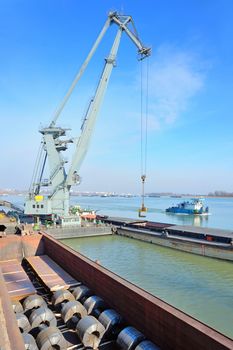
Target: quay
78 232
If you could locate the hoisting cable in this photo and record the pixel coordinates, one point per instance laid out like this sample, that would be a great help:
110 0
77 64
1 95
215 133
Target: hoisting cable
144 126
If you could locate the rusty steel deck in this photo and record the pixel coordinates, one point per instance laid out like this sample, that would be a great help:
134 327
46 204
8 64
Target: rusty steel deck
51 274
18 284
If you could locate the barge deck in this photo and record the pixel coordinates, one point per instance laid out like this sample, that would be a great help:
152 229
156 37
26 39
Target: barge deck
210 242
164 325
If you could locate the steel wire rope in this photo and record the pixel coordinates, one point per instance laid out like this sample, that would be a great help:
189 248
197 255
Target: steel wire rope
144 118
142 158
146 112
141 118
144 130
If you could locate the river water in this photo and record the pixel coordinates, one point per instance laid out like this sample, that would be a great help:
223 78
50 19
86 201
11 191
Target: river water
202 287
221 210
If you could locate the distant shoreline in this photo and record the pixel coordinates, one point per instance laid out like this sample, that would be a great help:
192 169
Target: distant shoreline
107 194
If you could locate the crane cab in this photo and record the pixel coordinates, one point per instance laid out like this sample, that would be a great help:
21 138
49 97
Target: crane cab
39 205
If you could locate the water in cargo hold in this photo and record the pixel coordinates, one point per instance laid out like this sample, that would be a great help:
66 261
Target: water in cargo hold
201 287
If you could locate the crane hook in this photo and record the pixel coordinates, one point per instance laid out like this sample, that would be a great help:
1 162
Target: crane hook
142 211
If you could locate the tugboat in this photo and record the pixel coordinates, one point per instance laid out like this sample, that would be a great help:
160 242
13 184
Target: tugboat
193 207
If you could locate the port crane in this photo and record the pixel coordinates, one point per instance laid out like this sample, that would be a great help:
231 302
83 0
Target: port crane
53 142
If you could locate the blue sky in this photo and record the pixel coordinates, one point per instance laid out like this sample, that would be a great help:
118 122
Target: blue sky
190 143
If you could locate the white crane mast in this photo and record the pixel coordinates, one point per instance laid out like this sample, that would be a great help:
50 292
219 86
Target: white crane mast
57 202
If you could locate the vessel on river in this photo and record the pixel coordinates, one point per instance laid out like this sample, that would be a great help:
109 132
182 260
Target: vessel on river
193 207
214 243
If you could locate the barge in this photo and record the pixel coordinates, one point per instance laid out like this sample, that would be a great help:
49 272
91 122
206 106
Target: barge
46 294
213 243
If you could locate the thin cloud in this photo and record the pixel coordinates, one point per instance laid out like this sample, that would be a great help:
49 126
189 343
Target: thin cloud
174 78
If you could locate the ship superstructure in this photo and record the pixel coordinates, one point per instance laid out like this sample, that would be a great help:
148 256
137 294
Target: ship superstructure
194 206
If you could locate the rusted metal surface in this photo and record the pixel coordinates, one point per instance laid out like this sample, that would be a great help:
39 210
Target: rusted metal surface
163 324
32 245
51 274
10 338
4 340
17 282
11 248
17 247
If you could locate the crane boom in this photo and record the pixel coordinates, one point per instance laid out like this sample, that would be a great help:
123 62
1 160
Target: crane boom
80 73
90 118
89 122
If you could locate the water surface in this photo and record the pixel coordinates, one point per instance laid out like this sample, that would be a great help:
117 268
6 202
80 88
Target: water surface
221 209
201 287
